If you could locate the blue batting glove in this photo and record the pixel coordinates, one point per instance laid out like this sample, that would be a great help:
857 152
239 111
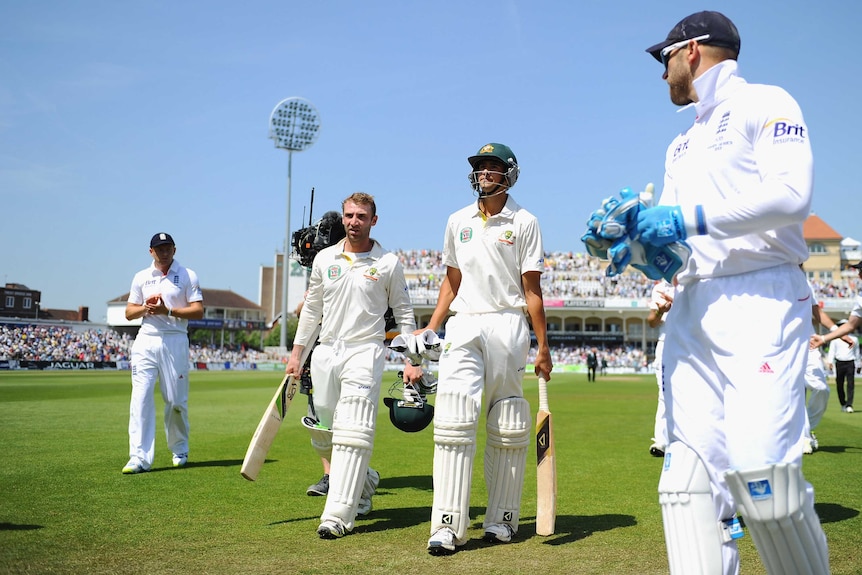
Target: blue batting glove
596 246
619 256
661 225
663 262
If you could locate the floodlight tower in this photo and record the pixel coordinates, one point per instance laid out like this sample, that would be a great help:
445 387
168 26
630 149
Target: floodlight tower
294 125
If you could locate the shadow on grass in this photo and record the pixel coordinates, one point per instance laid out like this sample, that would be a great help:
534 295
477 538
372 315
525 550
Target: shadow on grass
16 527
217 463
839 449
833 512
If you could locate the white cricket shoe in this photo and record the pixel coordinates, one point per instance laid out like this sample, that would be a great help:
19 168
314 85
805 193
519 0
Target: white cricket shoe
442 542
330 529
848 409
180 459
134 466
815 445
499 533
807 446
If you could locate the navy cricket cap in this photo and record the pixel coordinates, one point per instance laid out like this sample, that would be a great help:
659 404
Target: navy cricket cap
161 239
721 31
857 266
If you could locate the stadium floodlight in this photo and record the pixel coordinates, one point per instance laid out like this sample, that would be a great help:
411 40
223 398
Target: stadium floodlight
294 125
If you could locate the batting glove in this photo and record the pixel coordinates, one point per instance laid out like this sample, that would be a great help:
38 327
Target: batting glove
660 262
664 225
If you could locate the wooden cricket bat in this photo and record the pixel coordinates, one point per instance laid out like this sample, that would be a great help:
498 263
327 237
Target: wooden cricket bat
546 466
270 423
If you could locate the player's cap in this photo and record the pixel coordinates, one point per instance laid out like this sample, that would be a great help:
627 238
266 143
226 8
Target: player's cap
719 28
161 239
857 266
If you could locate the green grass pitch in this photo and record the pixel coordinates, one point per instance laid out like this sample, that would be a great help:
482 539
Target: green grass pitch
66 508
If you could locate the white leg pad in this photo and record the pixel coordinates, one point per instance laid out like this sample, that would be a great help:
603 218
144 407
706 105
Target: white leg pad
696 539
352 442
778 509
456 417
321 438
509 433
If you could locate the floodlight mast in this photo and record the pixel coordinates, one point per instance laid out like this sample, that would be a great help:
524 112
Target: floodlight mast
294 124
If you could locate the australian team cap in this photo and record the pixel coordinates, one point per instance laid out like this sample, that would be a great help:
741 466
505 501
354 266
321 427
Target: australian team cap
500 152
161 239
718 27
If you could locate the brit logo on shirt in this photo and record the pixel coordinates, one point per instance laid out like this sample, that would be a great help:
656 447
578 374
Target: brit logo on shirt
466 235
334 272
784 131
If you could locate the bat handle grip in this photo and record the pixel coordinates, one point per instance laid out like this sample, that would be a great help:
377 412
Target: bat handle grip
543 394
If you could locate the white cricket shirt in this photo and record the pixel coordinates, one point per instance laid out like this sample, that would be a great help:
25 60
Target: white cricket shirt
349 294
178 288
492 254
747 160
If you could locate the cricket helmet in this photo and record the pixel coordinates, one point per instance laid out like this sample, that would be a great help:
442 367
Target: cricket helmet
408 416
500 152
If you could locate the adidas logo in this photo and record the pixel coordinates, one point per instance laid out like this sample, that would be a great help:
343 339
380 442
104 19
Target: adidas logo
764 368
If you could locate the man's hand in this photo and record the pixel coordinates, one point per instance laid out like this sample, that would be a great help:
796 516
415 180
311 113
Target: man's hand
815 341
412 373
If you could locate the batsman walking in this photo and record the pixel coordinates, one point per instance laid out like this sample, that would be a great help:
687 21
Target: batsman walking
737 188
352 284
494 260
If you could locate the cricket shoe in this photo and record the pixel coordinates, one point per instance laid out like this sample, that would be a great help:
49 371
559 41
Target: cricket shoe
180 459
499 533
330 529
372 480
319 488
134 466
815 445
443 542
848 409
807 447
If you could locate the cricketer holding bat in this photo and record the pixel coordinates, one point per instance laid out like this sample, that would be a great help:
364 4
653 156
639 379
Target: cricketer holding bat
165 296
737 188
351 286
494 260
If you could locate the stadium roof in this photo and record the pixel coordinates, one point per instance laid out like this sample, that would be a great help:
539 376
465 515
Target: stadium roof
213 298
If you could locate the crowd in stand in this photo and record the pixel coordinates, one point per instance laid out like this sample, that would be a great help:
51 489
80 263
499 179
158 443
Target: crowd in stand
567 275
55 343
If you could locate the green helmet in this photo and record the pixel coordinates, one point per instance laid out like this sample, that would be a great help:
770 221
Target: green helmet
409 417
499 152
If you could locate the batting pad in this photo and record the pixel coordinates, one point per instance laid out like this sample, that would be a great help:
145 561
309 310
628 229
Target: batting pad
697 542
779 512
509 434
352 442
456 417
321 437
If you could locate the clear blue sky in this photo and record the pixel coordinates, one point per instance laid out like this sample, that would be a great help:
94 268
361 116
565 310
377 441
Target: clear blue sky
121 119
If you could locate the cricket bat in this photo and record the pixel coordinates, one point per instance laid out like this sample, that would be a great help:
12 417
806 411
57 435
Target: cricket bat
270 423
546 466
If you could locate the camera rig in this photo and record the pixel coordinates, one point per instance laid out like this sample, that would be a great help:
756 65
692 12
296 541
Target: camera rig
308 241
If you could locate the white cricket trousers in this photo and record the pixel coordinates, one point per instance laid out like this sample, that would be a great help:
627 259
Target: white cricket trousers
735 353
164 358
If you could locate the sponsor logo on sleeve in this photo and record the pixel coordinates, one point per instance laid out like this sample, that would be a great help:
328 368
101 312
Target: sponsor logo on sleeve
785 131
